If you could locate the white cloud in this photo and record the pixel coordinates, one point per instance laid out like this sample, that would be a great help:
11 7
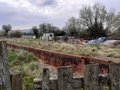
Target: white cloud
30 12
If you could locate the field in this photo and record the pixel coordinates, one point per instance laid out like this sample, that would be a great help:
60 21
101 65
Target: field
71 48
29 64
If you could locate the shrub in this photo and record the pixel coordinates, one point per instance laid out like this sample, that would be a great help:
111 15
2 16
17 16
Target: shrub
15 33
2 33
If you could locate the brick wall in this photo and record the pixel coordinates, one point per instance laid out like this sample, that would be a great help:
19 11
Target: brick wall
62 59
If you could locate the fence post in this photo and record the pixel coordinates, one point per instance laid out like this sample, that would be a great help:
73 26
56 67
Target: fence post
53 83
65 78
91 74
45 79
114 74
16 80
4 68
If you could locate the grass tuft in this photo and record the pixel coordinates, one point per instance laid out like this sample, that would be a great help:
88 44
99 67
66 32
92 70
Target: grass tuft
27 63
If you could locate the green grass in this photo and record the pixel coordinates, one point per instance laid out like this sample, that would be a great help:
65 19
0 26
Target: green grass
27 63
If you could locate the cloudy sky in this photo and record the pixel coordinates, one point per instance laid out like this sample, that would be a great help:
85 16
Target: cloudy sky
23 14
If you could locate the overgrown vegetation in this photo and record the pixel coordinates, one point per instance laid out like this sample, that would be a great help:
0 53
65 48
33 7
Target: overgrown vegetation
47 28
71 48
8 32
7 28
26 63
29 66
94 21
15 33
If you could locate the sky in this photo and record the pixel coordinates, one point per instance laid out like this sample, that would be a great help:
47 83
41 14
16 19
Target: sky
24 14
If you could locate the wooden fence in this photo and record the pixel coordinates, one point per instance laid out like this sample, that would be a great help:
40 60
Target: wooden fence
64 81
91 80
8 81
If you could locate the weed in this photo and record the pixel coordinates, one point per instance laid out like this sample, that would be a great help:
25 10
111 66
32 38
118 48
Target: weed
27 64
79 49
33 66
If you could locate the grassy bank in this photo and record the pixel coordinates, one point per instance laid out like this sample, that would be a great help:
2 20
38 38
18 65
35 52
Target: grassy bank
29 66
26 63
78 49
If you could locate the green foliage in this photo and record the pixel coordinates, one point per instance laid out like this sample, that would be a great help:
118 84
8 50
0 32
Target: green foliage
84 34
16 34
24 74
59 33
96 31
93 21
72 26
33 66
27 64
46 28
6 28
21 56
35 31
116 33
12 55
28 83
93 32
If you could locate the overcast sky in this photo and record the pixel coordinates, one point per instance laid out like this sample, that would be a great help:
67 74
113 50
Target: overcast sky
23 14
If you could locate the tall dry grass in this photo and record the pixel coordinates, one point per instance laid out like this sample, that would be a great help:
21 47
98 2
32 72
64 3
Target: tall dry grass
78 49
27 63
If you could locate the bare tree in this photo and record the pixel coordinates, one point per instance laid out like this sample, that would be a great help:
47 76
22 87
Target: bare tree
116 33
110 20
90 14
42 28
6 28
47 28
72 26
97 16
117 21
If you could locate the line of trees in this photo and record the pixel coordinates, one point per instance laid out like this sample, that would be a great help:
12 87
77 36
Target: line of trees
47 28
93 21
6 28
9 32
38 31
